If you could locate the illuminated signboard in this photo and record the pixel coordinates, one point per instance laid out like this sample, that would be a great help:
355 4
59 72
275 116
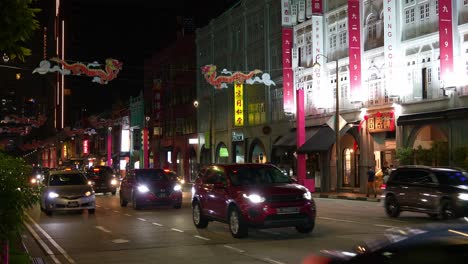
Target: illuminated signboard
85 146
381 122
238 104
125 142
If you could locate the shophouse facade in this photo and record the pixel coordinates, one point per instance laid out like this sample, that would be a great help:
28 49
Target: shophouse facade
395 93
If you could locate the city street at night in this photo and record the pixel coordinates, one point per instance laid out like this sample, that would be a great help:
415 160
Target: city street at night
166 235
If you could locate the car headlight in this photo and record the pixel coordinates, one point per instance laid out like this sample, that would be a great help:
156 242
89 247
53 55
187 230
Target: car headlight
254 198
53 195
177 187
33 181
113 181
308 195
88 193
143 189
463 196
38 176
90 182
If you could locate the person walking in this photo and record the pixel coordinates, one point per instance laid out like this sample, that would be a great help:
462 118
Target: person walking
371 181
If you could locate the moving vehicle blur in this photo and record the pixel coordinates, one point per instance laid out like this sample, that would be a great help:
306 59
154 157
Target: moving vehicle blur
251 195
65 191
156 187
426 245
440 192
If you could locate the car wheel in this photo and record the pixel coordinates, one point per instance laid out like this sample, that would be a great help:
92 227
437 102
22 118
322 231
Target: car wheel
91 211
446 210
177 206
135 203
236 225
123 202
392 207
198 219
305 229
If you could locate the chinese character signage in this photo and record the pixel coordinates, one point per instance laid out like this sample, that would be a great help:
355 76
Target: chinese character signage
445 39
288 87
238 104
381 122
354 28
85 146
317 6
390 46
285 13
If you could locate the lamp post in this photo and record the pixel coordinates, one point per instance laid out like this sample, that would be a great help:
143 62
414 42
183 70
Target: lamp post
210 120
337 118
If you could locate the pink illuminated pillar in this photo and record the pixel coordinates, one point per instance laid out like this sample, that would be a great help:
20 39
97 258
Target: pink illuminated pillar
300 136
145 148
109 147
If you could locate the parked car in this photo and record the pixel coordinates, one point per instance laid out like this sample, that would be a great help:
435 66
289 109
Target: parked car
65 191
251 195
156 187
440 192
426 245
103 179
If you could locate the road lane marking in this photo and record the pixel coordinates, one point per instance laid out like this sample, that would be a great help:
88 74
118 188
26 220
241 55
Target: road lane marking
339 220
43 244
120 241
389 226
106 208
177 230
115 211
273 261
270 232
234 248
57 246
458 232
141 219
157 224
200 237
103 229
128 214
98 205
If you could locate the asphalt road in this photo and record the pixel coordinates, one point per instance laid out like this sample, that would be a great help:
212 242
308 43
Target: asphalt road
166 235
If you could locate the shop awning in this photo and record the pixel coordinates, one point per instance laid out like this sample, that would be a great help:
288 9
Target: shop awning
321 140
432 117
289 140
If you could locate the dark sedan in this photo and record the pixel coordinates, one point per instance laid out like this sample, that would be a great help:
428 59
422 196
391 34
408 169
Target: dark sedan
151 187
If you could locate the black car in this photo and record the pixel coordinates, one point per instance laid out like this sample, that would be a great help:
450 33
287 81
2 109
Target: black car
440 192
427 245
103 179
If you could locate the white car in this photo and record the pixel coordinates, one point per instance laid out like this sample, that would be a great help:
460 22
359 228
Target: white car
67 191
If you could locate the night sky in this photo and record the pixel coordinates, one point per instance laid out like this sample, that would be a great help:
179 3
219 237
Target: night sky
127 30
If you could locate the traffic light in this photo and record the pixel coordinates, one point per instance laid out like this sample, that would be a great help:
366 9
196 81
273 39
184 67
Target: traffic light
136 139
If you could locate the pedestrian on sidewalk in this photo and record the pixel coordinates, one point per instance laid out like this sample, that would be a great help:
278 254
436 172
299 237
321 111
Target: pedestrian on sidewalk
371 181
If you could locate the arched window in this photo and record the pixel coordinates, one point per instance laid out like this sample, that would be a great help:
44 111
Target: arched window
371 23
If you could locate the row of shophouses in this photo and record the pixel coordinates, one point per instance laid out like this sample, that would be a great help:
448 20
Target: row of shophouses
400 69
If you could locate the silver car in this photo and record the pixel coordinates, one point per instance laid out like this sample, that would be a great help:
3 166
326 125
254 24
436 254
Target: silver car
66 191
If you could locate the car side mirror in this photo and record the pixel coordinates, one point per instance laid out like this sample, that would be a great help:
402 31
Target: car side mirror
294 180
219 185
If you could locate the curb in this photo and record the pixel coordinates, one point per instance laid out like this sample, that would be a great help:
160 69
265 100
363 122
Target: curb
344 197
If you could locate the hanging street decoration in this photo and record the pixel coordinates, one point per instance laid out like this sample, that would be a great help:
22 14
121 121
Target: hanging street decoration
219 82
13 124
102 76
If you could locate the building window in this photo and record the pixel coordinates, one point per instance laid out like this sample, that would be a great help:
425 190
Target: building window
407 16
343 36
437 7
332 41
372 31
429 75
427 7
465 2
412 15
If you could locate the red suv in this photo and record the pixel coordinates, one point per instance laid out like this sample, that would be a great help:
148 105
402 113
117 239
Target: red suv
251 195
151 187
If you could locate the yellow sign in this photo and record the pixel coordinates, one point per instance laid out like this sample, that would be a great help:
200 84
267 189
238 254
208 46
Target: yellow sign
238 104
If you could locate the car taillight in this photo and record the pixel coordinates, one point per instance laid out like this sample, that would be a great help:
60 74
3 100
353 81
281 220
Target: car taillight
383 186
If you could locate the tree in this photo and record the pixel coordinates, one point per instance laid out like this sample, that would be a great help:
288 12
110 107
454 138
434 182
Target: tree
404 155
16 196
17 25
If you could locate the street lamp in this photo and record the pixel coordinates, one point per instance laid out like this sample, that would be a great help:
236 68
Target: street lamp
337 118
210 129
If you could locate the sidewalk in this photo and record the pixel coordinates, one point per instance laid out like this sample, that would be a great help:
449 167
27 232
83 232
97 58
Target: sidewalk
346 196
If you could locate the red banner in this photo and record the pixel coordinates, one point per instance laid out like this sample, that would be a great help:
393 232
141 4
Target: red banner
317 7
445 39
288 87
354 28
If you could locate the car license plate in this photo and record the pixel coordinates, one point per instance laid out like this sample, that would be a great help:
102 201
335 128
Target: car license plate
287 210
72 204
162 195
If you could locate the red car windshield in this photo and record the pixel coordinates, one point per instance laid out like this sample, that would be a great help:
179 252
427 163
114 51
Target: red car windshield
258 176
155 175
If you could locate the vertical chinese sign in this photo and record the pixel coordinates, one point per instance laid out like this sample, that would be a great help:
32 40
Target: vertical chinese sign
287 37
85 146
445 39
238 104
317 6
354 28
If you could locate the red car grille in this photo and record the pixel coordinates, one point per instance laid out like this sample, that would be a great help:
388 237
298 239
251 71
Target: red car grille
284 198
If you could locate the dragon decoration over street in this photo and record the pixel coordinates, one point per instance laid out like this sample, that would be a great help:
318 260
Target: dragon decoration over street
219 82
111 69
